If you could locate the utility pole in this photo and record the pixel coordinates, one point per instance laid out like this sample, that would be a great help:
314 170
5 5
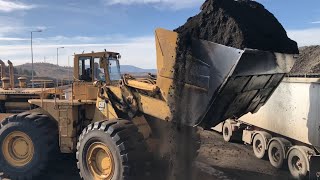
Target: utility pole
58 61
32 68
58 55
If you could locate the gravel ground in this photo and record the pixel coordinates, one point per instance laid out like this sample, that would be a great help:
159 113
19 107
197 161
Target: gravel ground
217 160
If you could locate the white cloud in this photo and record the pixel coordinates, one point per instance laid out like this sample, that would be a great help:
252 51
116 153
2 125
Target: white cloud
12 39
139 52
315 22
8 6
305 37
171 4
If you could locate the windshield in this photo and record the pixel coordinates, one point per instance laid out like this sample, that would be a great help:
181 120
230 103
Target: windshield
114 70
99 74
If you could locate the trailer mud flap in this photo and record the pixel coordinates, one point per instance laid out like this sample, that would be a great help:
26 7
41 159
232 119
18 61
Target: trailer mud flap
314 167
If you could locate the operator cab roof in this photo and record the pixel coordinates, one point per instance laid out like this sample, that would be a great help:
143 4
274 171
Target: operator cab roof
100 54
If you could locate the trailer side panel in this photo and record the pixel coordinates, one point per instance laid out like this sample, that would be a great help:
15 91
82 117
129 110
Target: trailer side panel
292 111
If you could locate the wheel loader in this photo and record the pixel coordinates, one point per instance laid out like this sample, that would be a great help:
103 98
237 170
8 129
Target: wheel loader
112 121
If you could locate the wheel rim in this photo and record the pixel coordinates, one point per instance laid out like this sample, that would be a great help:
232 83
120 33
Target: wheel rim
258 146
100 161
275 154
18 149
297 163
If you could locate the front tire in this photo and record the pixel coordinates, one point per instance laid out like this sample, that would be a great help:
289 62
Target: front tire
27 142
111 150
259 146
227 131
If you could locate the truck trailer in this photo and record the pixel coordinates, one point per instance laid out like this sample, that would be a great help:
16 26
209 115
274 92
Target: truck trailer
286 129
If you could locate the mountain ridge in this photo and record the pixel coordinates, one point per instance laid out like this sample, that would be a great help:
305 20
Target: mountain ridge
64 72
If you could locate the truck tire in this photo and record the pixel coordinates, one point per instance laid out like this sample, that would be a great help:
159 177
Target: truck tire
298 164
28 142
111 150
259 146
227 131
276 154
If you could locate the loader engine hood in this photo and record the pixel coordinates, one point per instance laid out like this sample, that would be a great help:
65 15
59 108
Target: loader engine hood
217 82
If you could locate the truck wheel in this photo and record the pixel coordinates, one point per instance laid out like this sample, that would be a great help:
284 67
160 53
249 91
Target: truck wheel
259 146
298 164
111 150
276 154
27 142
227 131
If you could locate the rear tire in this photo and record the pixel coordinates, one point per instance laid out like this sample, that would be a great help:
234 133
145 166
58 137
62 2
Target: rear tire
27 142
298 164
276 154
120 147
227 131
259 146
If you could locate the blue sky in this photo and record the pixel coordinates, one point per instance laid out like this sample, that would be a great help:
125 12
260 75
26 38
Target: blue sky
126 26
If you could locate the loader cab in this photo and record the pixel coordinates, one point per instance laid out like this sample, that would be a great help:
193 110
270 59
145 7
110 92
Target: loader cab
92 67
100 66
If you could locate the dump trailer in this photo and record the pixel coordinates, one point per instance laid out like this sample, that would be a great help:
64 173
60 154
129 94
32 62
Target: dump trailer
286 129
112 122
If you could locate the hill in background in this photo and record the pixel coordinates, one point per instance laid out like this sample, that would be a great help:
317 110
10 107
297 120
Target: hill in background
53 71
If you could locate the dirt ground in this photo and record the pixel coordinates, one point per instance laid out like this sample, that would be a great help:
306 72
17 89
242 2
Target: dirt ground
217 160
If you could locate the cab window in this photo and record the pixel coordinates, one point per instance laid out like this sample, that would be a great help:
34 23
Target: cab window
99 74
85 70
114 70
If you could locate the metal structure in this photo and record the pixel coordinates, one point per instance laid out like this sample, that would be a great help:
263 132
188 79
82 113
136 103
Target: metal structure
14 98
286 128
108 119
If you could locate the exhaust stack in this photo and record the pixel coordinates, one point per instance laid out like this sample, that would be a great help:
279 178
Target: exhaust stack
22 82
4 79
3 69
11 74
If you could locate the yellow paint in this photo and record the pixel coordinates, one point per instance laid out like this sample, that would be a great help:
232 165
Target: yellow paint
154 107
18 149
142 85
100 161
166 44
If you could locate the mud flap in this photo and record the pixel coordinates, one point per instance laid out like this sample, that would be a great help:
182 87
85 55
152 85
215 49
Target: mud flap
314 167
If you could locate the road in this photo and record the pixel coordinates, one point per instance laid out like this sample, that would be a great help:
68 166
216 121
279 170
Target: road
217 160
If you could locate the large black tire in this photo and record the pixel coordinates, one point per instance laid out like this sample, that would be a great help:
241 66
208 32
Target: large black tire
27 127
276 154
259 146
298 164
125 144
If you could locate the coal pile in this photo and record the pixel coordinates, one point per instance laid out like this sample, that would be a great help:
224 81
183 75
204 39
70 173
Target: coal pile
308 61
240 24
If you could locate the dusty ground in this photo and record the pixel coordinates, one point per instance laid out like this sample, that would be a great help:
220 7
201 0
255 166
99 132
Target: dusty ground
217 160
221 160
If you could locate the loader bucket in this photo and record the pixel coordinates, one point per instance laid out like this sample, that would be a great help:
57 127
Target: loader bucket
216 82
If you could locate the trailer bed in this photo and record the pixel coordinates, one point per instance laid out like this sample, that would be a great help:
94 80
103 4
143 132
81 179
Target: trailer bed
292 111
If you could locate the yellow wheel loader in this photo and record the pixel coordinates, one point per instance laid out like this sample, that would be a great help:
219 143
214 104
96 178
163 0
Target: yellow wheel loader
113 122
